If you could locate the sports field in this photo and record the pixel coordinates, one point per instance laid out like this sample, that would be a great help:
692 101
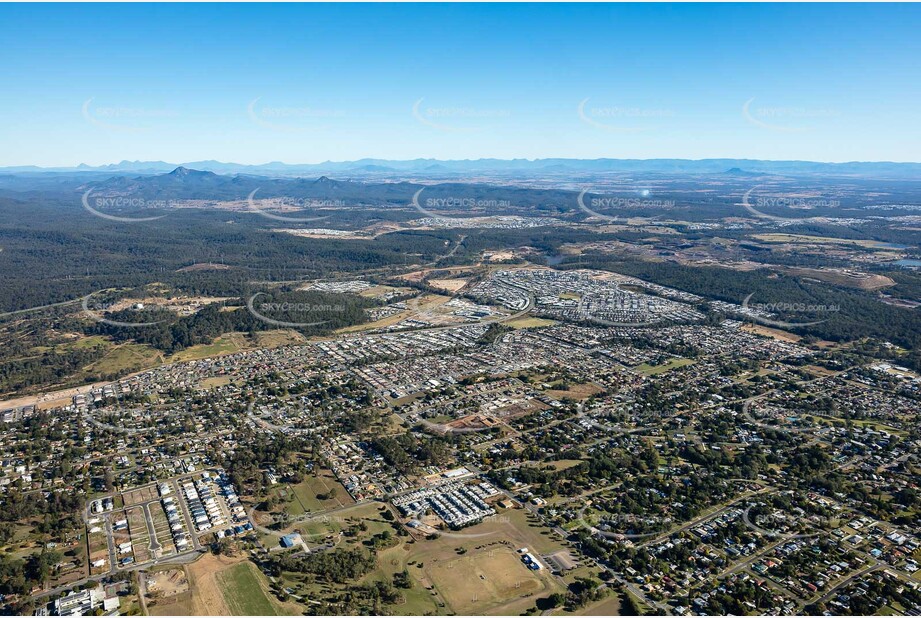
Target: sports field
482 579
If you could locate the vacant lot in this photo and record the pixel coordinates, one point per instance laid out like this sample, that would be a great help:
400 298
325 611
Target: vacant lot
169 593
565 464
223 586
773 333
98 549
243 591
228 343
141 495
125 358
306 493
276 338
448 285
529 323
225 344
140 538
426 302
577 392
820 240
215 381
207 597
609 606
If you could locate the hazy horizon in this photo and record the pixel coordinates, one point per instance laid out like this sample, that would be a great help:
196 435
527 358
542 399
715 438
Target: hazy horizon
316 83
438 160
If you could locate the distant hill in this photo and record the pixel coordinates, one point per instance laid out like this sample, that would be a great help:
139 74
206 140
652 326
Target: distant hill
737 171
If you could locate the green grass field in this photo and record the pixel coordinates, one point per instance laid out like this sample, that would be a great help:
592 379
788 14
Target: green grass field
225 344
651 370
243 593
125 358
304 494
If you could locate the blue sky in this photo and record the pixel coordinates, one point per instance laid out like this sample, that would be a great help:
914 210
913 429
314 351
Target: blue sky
308 83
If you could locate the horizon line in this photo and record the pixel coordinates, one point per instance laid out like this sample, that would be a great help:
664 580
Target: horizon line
468 160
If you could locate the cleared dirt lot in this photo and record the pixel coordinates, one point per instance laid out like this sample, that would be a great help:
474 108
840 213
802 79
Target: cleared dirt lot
169 592
207 598
141 495
140 538
448 285
774 333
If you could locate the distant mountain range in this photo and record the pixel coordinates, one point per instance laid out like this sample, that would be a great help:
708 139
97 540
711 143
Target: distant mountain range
422 167
186 183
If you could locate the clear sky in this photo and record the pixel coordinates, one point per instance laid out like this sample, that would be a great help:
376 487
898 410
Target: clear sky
307 83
